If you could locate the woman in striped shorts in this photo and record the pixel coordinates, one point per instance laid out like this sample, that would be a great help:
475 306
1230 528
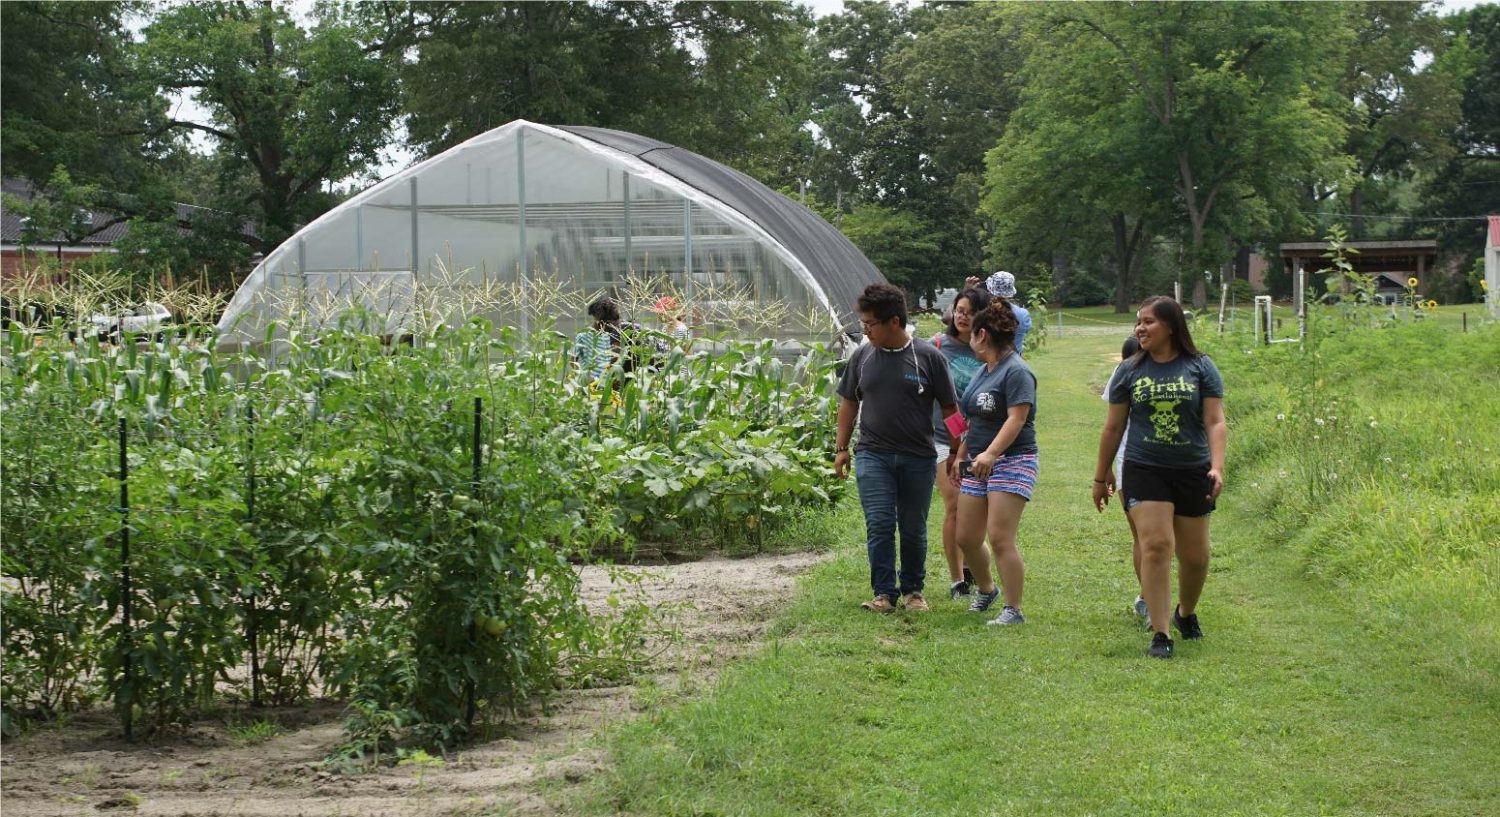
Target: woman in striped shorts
996 465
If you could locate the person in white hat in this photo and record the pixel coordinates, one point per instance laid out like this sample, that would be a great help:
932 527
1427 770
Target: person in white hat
1003 285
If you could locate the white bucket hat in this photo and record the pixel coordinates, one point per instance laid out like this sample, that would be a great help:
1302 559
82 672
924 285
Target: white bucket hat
1001 285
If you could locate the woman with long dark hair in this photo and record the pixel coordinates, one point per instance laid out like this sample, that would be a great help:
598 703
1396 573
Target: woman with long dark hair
963 364
1173 398
996 466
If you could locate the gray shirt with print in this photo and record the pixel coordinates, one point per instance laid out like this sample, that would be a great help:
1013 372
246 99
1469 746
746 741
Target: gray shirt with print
986 406
1166 408
898 390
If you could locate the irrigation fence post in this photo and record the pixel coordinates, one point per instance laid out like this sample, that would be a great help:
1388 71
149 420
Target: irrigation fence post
251 625
127 636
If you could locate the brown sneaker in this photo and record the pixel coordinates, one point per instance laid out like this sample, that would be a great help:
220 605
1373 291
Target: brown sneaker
916 604
880 604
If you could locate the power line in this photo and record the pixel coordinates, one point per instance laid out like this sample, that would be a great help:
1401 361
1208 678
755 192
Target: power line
1400 218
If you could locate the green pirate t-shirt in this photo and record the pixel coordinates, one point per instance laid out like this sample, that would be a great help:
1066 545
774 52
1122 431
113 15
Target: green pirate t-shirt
1166 408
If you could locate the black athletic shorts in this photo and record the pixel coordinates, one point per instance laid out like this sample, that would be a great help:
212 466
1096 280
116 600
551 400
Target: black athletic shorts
1186 488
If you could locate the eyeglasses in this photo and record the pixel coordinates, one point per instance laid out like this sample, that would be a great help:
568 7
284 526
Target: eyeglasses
874 323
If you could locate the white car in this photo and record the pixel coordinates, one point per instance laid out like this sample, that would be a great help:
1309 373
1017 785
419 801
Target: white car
147 317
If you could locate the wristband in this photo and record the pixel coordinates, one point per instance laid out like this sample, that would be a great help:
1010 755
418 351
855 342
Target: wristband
839 449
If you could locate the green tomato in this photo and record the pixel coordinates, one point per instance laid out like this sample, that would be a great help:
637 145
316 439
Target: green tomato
494 627
271 667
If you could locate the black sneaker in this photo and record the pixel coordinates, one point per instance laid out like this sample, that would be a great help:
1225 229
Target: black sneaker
1187 626
1161 646
958 590
983 600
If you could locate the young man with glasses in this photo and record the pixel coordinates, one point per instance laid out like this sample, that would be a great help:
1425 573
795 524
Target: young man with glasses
897 379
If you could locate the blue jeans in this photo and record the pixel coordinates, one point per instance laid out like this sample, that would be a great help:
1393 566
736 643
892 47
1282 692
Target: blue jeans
895 491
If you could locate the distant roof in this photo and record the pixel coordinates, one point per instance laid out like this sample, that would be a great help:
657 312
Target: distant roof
105 226
1408 245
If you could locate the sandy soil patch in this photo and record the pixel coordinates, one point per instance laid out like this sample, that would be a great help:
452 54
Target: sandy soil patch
721 607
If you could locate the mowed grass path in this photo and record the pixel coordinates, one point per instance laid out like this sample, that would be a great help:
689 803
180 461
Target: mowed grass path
1289 706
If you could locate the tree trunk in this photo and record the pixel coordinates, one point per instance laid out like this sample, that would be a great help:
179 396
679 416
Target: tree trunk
1062 270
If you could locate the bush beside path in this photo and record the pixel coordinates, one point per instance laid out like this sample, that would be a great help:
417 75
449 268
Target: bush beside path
1294 703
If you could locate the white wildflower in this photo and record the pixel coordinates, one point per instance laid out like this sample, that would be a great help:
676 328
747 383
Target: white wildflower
1280 417
1374 424
1318 420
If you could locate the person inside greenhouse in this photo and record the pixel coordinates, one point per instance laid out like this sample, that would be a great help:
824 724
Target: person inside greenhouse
597 347
896 378
671 315
953 343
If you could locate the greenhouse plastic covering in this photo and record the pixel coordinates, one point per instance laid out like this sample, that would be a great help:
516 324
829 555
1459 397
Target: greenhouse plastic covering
596 211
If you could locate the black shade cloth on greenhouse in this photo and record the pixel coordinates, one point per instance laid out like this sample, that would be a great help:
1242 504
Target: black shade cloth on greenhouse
835 263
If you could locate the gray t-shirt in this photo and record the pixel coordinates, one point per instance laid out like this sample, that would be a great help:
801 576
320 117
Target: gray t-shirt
962 366
896 417
1166 408
986 405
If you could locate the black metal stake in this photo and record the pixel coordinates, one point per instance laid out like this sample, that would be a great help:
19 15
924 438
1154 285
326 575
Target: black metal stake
250 628
128 635
469 705
1466 320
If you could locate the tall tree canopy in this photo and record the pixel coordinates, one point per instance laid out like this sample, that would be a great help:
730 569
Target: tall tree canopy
290 109
721 78
1233 103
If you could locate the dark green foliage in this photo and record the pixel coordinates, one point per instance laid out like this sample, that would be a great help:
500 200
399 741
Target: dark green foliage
327 513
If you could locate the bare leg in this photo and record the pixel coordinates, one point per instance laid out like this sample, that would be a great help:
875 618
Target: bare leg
1192 560
1004 520
1135 546
951 550
969 534
1153 524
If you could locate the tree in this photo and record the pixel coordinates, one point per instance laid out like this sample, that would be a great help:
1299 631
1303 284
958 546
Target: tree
1402 106
1467 186
1231 101
723 79
906 102
290 109
65 88
897 242
1073 178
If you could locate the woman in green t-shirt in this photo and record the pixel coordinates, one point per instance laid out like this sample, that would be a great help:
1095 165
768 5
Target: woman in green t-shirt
1173 397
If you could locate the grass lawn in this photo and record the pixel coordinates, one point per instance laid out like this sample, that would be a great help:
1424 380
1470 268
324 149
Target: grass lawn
1289 706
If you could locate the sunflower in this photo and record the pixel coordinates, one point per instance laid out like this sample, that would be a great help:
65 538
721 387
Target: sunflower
1432 304
1412 282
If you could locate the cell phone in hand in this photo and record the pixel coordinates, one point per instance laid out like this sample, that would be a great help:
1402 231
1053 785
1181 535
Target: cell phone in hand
965 470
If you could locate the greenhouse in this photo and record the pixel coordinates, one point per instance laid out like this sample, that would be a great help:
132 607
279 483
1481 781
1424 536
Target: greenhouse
524 225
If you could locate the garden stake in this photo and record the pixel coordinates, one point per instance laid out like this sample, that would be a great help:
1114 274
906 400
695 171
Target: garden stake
127 636
250 630
473 629
1466 320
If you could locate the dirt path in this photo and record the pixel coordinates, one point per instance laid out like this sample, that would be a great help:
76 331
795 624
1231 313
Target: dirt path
722 607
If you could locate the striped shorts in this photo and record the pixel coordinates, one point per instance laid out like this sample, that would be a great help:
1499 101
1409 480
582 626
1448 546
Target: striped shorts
1011 475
